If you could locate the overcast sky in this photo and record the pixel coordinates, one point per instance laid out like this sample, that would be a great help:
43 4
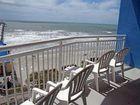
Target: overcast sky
91 11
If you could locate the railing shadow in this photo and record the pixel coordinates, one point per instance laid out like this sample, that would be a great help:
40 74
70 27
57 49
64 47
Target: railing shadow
105 88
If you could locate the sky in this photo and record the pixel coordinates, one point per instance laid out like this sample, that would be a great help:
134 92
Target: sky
83 11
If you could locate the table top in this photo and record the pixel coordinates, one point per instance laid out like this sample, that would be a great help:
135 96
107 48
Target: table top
70 71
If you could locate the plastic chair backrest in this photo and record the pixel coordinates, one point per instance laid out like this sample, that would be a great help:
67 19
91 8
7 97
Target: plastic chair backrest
50 97
105 59
77 83
121 55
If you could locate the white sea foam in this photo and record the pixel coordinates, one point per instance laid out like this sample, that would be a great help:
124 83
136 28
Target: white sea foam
18 30
21 36
108 32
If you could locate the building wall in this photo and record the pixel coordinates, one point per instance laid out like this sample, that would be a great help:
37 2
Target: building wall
129 24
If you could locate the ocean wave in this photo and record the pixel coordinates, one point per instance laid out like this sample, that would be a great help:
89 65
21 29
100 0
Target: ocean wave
108 32
17 37
18 30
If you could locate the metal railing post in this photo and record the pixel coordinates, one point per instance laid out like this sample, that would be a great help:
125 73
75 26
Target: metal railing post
5 83
60 61
97 45
124 38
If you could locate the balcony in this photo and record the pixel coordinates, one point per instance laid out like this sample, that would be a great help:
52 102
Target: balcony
33 64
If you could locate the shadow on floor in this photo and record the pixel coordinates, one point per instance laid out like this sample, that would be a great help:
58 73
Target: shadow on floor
104 87
129 94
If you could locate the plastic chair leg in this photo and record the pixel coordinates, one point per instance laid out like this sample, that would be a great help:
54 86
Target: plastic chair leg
113 74
96 81
122 70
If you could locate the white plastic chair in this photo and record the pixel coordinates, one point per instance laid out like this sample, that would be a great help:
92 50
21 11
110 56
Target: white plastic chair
118 61
41 97
102 66
74 88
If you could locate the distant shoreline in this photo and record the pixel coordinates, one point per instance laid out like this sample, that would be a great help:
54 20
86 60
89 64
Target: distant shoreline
31 21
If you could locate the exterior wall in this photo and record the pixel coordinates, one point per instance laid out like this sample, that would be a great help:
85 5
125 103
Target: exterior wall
129 24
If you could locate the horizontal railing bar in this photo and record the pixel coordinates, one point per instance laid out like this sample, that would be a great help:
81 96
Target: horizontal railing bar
24 53
8 47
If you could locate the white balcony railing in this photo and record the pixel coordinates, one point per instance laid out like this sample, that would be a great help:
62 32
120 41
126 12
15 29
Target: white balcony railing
35 63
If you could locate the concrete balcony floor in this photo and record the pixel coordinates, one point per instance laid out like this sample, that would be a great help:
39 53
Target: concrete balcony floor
123 92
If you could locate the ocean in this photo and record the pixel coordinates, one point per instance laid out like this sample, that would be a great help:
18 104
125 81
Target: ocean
24 32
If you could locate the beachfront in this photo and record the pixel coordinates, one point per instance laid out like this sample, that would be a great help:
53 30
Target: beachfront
27 21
